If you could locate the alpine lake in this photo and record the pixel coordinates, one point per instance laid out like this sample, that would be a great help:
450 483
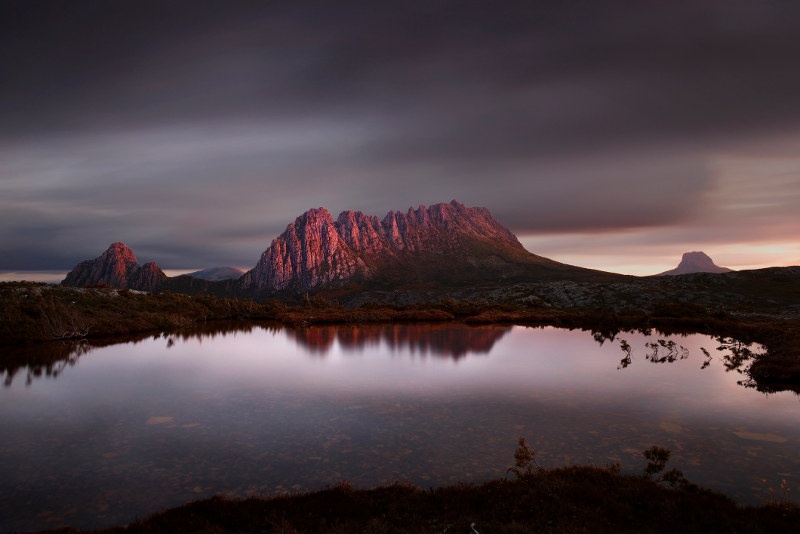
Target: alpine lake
98 436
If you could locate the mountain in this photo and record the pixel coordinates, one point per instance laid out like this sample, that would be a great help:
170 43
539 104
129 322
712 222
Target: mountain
444 244
695 262
216 274
117 267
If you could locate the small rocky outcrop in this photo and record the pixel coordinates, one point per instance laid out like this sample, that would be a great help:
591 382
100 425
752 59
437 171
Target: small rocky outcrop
116 267
316 250
695 262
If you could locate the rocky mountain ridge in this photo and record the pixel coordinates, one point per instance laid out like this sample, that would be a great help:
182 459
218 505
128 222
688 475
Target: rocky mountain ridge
444 244
316 250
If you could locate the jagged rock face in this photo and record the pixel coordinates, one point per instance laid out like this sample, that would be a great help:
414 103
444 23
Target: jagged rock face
696 262
317 251
112 267
149 277
361 232
443 227
310 253
116 267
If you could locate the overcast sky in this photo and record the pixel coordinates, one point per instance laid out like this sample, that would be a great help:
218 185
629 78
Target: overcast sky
613 135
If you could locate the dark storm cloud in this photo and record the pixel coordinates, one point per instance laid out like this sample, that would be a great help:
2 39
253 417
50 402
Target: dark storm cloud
590 72
200 129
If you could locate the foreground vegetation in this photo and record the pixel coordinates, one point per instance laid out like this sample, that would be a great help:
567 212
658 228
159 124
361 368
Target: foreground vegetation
572 499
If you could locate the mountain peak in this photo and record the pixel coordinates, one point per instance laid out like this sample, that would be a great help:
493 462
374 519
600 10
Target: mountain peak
316 250
120 251
696 262
315 214
116 267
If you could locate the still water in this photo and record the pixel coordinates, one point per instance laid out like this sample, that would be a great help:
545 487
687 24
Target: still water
125 430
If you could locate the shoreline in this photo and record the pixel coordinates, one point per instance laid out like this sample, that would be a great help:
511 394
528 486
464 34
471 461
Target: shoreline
36 313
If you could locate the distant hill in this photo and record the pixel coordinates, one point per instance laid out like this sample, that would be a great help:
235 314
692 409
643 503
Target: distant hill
695 262
217 273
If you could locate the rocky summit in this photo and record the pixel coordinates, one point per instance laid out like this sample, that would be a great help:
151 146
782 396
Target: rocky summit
449 241
695 262
116 267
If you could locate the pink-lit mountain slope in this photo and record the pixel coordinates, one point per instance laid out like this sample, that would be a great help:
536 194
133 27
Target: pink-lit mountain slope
437 245
117 267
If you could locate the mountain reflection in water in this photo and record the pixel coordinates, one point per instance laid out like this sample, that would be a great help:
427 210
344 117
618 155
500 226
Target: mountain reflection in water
450 341
439 340
454 341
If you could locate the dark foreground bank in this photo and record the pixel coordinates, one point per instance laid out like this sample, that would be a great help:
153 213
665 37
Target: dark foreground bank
575 499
